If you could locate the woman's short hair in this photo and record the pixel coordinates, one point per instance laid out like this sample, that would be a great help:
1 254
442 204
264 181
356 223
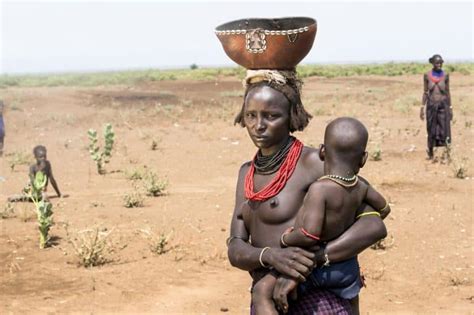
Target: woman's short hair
299 117
435 57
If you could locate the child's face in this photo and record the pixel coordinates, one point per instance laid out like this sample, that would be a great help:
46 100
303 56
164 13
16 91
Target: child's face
40 156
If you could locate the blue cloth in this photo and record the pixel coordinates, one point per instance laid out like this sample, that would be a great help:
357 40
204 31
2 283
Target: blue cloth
2 127
437 74
341 278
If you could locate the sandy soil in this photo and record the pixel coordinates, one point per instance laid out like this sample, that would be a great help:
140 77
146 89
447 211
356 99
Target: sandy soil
427 267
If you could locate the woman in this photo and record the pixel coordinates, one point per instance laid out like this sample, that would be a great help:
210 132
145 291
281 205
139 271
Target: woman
270 191
437 106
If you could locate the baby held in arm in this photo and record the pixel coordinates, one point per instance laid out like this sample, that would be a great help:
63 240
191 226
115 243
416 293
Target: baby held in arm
330 207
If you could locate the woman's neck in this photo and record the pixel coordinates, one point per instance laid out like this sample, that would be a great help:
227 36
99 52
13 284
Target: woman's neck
274 149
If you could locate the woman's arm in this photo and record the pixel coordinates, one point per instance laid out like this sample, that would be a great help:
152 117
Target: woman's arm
448 94
362 234
424 99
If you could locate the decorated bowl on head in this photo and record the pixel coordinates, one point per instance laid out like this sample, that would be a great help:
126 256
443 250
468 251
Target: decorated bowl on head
268 43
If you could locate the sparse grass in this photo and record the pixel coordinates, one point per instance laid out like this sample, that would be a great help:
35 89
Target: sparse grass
15 107
91 246
158 243
376 153
154 186
136 173
154 144
405 104
18 158
384 244
456 281
134 199
26 214
459 167
8 211
234 93
133 77
319 112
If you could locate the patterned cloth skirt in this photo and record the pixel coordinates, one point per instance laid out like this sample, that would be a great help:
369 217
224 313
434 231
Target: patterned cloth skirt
438 123
317 302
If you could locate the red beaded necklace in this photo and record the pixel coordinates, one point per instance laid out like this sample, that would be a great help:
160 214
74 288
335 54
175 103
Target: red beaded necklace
435 79
279 181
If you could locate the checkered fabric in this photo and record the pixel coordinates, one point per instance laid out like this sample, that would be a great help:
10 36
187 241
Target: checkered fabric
317 302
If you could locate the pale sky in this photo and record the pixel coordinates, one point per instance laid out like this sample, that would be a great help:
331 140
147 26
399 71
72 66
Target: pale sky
62 36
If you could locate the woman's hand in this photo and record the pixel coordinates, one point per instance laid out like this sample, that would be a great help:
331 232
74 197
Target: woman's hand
422 113
293 262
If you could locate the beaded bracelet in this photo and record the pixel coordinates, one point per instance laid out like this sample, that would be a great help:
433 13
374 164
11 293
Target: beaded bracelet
260 257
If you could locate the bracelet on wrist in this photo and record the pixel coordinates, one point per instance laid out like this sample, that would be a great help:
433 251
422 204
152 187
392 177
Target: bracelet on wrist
261 256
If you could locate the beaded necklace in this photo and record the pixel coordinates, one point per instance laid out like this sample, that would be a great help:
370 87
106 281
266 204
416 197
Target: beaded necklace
341 180
281 178
435 76
269 164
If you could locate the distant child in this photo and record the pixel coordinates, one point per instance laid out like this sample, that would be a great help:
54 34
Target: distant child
330 208
42 164
2 128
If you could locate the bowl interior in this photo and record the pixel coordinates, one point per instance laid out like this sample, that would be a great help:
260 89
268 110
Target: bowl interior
267 24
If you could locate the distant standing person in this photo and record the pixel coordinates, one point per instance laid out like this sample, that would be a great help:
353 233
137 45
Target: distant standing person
436 106
2 128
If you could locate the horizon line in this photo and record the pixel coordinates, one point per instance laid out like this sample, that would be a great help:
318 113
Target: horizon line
204 66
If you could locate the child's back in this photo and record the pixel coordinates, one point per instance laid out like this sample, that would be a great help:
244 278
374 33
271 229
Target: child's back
341 204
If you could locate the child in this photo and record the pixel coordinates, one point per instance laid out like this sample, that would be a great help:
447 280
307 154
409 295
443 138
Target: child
42 164
328 210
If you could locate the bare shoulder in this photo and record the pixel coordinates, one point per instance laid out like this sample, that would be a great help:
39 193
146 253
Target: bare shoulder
244 168
311 162
364 183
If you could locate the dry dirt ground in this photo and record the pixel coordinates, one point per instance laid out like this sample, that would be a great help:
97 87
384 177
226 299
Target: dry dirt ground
427 267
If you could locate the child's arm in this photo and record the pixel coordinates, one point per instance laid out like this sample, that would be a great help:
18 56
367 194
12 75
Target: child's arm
53 181
377 201
311 215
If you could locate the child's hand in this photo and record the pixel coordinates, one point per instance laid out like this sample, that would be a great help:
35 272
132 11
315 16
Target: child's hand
283 287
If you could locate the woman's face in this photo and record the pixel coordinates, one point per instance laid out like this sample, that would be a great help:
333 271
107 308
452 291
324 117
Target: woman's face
437 64
266 117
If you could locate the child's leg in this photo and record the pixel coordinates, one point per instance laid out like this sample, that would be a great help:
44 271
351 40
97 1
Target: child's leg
355 305
262 295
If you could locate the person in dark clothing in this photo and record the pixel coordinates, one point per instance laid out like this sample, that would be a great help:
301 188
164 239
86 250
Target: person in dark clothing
437 106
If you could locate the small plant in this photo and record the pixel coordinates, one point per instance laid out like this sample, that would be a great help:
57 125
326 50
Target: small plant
101 157
376 154
154 145
460 168
91 246
384 243
8 211
447 153
153 185
137 173
159 244
44 208
133 200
